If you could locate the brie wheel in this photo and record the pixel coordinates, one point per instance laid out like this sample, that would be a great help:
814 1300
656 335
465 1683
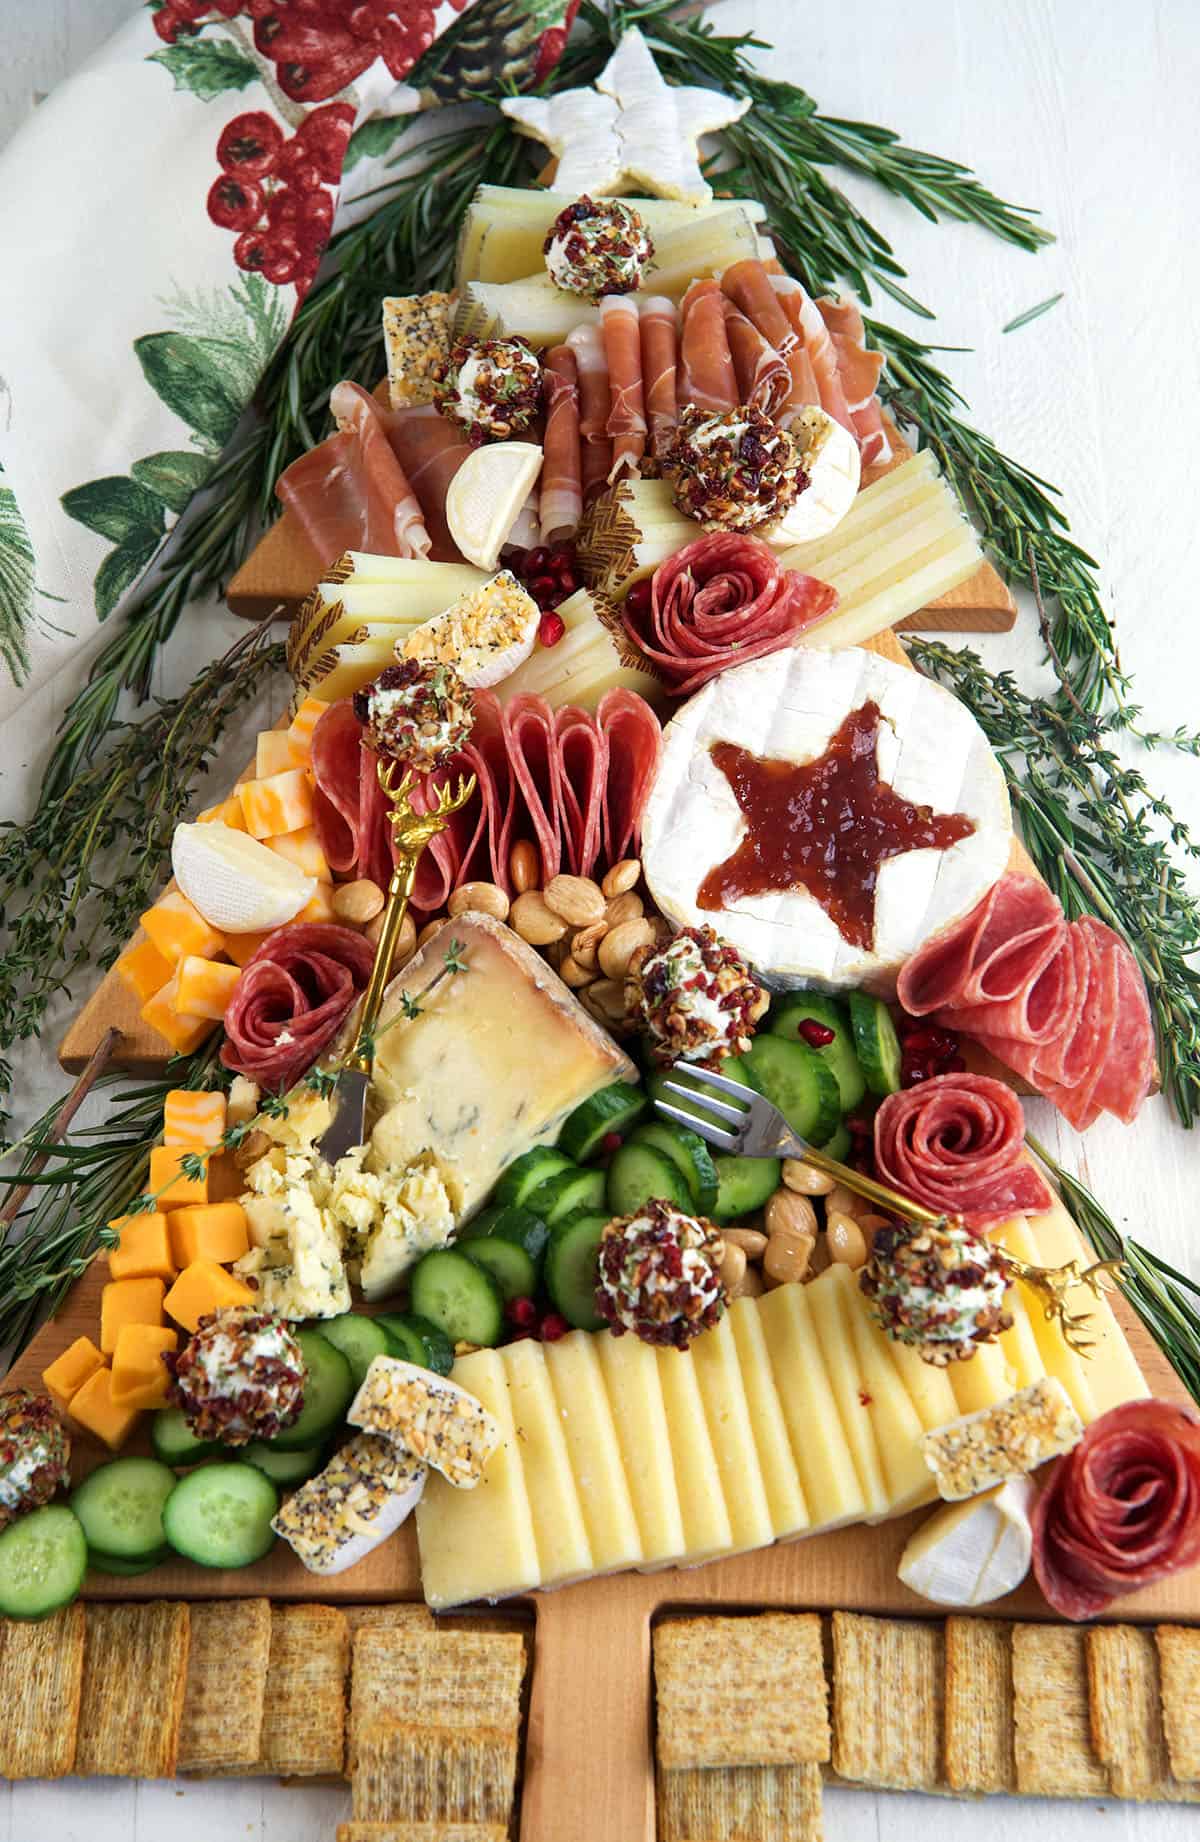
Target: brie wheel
829 455
239 885
971 1553
486 496
787 707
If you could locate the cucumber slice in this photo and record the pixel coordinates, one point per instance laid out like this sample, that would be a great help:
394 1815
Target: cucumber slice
639 1173
457 1296
173 1441
328 1391
284 1467
43 1559
571 1269
567 1193
613 1109
689 1152
795 1079
126 1570
875 1043
120 1507
528 1172
733 1068
802 1006
527 1230
839 1145
359 1338
743 1184
508 1264
220 1516
416 1340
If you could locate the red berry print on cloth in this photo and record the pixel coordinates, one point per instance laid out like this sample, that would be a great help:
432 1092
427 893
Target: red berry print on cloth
277 192
250 145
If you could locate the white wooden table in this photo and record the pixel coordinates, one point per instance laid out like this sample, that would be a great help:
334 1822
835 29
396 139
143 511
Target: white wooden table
1087 109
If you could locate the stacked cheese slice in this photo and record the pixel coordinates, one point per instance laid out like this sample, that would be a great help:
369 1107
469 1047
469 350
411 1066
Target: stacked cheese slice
794 1416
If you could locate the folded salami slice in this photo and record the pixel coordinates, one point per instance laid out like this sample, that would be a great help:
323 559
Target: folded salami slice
336 753
1039 1012
956 1144
583 761
291 1000
634 738
992 954
1122 1509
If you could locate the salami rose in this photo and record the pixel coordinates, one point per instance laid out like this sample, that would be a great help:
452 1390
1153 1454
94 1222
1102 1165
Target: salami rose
956 1144
293 997
721 601
1122 1509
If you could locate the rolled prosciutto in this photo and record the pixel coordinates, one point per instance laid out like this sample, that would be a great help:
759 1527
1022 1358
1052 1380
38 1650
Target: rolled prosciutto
813 335
626 425
351 492
562 480
956 1143
659 325
751 288
763 378
706 375
292 998
431 449
859 370
591 367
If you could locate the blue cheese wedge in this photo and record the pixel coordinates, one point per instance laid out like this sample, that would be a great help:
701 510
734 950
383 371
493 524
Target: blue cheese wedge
366 1491
1006 1440
416 335
428 1417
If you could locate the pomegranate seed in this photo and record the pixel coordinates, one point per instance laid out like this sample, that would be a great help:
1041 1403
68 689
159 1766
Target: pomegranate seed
568 582
612 1141
544 589
921 1041
522 1312
640 596
516 562
535 560
553 1327
551 629
858 1128
816 1035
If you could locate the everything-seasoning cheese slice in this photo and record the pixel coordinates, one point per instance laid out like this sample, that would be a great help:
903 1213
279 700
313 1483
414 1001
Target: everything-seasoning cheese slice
1007 1440
429 1417
361 1497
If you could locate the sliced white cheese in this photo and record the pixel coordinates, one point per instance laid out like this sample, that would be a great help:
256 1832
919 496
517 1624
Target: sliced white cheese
787 707
486 495
831 461
239 886
971 1553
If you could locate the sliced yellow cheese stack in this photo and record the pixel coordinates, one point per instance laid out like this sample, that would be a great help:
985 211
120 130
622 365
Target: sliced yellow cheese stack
586 662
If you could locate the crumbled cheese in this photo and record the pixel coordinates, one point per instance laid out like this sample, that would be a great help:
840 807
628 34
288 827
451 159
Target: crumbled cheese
1007 1440
428 1417
364 1493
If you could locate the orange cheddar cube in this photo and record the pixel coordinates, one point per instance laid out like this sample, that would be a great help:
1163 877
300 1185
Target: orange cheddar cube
279 803
274 754
68 1372
177 929
204 987
303 848
128 1301
184 1033
216 1231
194 1118
241 947
140 1377
229 813
319 906
144 1248
94 1409
170 1185
144 969
201 1288
300 729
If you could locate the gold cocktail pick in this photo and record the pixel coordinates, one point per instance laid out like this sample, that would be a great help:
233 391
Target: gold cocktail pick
1052 1283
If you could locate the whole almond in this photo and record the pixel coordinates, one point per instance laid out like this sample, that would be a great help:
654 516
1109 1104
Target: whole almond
573 974
788 1211
482 898
524 866
733 1268
429 930
534 921
576 898
617 945
358 902
621 877
609 997
626 907
406 941
752 1241
584 943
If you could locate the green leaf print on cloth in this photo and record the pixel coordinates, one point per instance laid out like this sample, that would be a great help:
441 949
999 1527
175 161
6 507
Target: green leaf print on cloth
16 588
206 67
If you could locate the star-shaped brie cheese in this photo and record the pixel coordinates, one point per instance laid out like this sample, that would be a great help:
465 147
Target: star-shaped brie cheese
632 132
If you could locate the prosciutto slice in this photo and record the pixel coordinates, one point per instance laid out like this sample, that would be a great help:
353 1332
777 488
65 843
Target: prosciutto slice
1122 1509
591 366
659 325
350 492
431 450
956 1144
292 998
357 413
626 423
723 598
706 375
753 288
336 751
561 505
812 332
763 378
859 369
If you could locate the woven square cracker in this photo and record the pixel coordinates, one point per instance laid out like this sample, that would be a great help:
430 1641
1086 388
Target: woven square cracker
422 1832
134 1677
405 1616
741 1691
304 1705
1179 1670
744 1803
887 1702
41 1680
226 1685
437 1679
1053 1742
1126 1715
979 1705
406 1771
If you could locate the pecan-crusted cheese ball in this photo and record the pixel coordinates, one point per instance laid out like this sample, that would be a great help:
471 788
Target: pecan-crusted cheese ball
598 246
417 713
939 1288
694 1000
733 471
35 1452
240 1377
660 1275
492 388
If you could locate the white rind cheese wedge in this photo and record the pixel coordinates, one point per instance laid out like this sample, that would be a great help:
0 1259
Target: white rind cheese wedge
831 460
787 707
971 1553
364 1494
486 495
237 883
